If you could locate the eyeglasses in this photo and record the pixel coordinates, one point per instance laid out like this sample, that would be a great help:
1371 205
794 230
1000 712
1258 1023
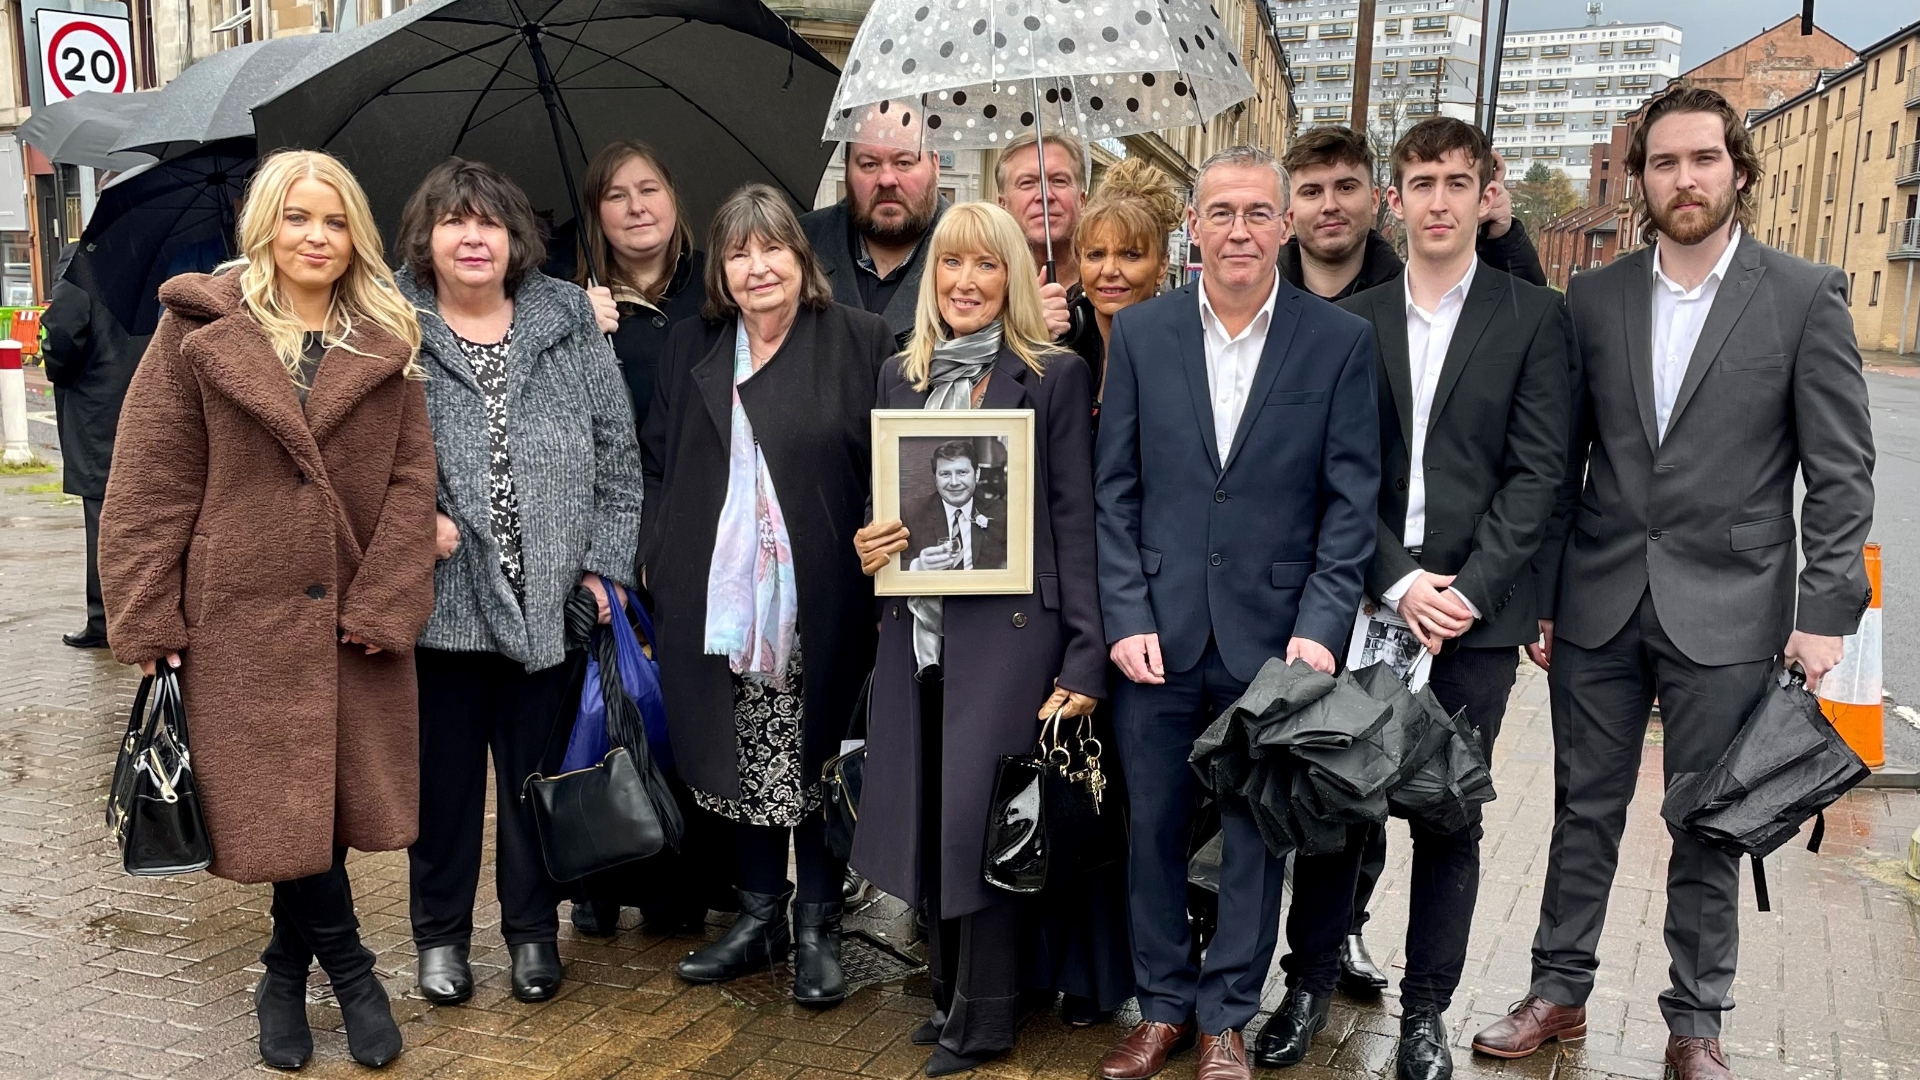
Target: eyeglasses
1259 217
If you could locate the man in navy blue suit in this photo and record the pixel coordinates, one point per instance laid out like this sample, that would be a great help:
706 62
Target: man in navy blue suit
1237 477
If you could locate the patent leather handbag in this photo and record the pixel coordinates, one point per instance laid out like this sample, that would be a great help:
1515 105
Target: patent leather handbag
1054 815
153 807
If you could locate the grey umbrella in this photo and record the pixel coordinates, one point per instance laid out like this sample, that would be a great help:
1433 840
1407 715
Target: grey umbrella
84 129
213 99
722 89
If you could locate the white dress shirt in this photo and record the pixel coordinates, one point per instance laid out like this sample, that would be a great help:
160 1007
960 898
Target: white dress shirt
1231 363
1678 315
1429 334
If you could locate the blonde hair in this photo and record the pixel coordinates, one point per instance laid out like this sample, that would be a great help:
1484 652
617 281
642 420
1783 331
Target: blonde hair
366 291
1138 202
983 227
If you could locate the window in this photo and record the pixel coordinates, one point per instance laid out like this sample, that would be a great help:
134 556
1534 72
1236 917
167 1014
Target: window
1873 297
1390 71
1515 54
1900 66
1893 137
1553 84
1874 79
1292 33
1330 112
1884 207
1424 67
1511 120
1635 82
1606 48
1429 23
1600 85
1550 118
1546 151
1552 52
1336 30
1859 215
1422 108
1513 86
1843 100
1331 71
1867 154
1599 118
1393 26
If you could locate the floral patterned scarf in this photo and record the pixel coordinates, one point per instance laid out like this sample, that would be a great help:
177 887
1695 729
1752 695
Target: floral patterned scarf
752 602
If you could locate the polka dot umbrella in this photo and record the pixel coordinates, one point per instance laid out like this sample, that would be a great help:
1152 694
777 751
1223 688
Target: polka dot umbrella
976 74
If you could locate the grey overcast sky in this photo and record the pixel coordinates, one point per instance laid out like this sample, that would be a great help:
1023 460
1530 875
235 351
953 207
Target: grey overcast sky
1713 26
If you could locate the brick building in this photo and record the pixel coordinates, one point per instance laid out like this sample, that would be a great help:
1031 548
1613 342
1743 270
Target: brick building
1770 67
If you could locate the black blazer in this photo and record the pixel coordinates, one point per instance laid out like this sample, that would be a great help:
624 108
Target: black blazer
927 522
1496 447
1002 654
808 407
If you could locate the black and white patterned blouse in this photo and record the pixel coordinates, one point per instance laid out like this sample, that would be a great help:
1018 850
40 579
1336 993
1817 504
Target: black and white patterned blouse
489 363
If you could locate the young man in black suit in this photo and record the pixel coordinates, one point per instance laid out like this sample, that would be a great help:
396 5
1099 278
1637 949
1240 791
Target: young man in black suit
1475 409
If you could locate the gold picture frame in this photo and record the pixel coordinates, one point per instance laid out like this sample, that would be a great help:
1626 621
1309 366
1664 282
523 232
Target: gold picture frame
923 460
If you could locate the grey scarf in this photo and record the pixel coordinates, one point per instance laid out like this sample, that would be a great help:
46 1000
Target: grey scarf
957 367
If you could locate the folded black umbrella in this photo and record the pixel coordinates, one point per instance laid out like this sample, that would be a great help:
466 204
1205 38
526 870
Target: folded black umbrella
1786 765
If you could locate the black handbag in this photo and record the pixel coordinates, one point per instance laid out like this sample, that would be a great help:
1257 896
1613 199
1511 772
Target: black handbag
844 775
153 807
1052 817
594 818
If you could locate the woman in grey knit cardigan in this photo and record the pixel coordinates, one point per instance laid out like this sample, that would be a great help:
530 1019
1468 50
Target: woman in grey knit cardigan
539 492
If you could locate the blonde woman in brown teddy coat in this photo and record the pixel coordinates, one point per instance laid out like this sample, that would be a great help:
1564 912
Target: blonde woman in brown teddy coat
269 531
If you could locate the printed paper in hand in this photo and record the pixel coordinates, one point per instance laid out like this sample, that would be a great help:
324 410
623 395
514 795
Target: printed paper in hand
1380 635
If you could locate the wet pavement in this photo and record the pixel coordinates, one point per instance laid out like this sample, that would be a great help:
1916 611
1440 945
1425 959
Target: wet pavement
105 975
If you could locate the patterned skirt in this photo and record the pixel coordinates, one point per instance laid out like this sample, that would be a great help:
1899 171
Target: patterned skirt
768 728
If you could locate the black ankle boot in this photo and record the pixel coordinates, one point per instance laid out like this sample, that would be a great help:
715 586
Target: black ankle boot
595 919
280 1005
757 940
443 974
1289 1033
372 1037
536 970
1423 1053
817 978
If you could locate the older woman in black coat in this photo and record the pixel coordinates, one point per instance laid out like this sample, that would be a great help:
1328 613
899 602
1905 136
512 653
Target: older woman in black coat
983 671
756 458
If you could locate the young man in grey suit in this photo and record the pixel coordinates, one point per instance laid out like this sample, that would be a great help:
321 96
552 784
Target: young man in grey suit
1475 414
1714 369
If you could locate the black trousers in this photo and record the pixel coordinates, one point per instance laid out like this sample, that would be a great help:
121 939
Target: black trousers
96 607
1601 701
1156 726
313 918
762 851
470 704
974 960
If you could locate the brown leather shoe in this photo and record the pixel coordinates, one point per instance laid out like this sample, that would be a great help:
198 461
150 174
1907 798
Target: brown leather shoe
1691 1057
1145 1050
1224 1057
1531 1023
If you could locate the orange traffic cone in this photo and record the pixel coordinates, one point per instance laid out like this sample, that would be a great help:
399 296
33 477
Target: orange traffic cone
1850 693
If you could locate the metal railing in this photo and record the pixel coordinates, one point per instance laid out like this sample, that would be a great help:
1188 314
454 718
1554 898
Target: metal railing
1795 203
1913 87
1906 165
1903 239
1828 188
1821 252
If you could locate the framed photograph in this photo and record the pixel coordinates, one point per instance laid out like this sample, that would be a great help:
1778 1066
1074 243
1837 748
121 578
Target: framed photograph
962 481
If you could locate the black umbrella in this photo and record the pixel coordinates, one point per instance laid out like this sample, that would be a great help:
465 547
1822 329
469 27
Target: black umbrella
1786 765
213 99
83 129
170 217
723 89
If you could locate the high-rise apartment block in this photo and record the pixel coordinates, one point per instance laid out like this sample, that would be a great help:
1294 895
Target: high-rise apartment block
1563 90
1426 59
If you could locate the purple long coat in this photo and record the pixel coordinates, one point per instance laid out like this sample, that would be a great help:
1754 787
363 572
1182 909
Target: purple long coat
1002 654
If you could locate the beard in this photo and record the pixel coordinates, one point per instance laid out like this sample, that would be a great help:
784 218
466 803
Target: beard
1692 226
912 227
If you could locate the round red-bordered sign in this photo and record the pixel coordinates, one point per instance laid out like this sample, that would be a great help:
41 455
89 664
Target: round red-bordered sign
53 54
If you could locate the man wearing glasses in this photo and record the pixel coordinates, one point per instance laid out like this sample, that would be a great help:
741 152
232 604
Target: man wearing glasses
1244 535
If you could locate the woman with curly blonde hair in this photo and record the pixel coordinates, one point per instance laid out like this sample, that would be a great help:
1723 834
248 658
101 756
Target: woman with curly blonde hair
268 531
1121 244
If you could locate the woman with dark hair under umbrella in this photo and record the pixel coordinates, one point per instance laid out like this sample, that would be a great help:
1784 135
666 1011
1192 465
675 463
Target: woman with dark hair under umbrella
757 456
539 494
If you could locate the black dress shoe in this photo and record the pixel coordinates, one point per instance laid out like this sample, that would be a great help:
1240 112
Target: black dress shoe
817 977
90 639
443 974
280 1005
1423 1047
536 970
759 938
1290 1030
1360 977
372 1037
596 919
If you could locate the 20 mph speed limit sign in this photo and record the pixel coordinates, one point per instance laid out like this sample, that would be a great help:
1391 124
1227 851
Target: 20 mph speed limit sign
82 52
